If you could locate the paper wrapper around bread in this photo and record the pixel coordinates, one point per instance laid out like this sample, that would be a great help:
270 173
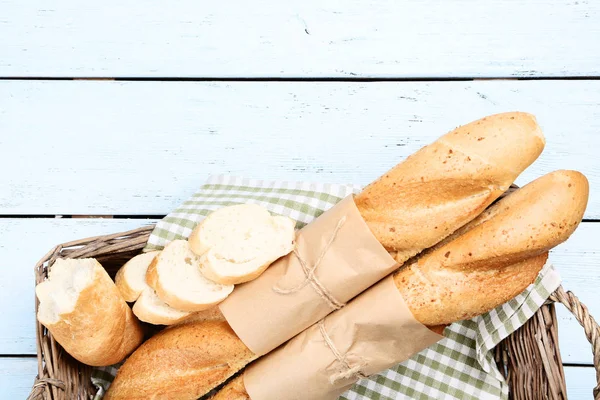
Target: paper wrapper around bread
336 258
375 331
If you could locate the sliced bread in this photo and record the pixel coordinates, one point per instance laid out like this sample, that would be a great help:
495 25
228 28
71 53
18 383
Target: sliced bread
175 276
131 277
150 308
237 243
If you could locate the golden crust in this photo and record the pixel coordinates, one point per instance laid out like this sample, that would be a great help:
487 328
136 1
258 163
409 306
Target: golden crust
496 256
446 184
234 390
101 330
179 363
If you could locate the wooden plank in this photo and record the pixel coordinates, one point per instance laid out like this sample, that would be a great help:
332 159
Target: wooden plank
267 38
17 375
26 240
120 148
580 382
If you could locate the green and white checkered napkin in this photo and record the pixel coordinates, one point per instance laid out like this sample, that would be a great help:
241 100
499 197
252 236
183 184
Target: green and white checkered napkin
461 366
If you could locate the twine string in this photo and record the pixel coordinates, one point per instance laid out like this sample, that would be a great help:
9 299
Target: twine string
347 371
310 273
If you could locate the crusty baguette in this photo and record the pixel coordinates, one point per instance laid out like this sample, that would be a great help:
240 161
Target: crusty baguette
131 277
495 258
237 243
83 309
440 288
181 362
176 277
446 184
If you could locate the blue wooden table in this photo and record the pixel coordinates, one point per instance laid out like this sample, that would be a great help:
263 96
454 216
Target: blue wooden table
114 112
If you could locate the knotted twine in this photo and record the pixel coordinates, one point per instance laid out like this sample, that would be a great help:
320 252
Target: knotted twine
310 273
310 278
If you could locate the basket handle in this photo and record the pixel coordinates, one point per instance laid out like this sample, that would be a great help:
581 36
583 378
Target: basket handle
589 324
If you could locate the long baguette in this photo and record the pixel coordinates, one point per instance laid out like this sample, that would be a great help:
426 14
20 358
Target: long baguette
425 198
446 184
496 257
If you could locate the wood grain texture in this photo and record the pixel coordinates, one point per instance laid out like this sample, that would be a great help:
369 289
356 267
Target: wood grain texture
17 375
82 147
267 38
26 240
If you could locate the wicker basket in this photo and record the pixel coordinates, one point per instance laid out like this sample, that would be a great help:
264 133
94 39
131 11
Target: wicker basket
529 358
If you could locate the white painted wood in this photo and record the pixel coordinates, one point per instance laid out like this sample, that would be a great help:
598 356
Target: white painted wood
81 147
26 240
580 382
17 375
269 38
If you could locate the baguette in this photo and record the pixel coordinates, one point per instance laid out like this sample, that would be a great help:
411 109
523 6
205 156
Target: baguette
495 258
83 309
449 182
181 362
446 184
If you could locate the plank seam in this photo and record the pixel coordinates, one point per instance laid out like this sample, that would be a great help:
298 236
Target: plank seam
300 79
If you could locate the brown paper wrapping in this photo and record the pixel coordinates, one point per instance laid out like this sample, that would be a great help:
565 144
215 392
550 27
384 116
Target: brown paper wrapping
372 333
281 303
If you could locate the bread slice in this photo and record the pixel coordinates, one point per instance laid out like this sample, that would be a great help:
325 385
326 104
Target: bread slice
175 276
150 308
83 309
237 243
131 277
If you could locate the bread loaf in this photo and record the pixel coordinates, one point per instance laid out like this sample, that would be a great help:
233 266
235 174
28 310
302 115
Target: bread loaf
237 243
175 276
83 309
440 188
182 362
494 258
498 254
446 184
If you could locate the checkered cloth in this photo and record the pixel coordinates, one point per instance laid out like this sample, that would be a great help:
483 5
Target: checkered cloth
461 366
